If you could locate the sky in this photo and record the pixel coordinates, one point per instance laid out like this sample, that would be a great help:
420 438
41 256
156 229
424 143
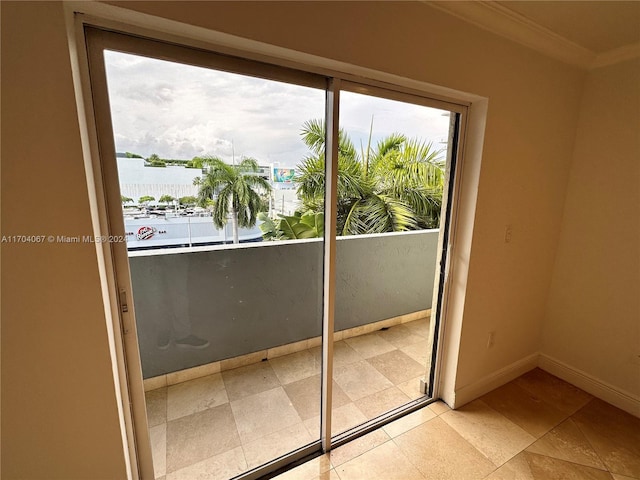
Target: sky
180 111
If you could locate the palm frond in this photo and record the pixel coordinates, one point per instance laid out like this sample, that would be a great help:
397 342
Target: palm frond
248 164
314 136
379 214
311 181
221 207
391 143
352 182
256 181
352 224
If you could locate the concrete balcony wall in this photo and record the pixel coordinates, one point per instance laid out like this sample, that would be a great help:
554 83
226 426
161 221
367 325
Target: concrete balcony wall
246 298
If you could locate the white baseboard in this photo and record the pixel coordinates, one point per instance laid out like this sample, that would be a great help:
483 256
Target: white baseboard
494 380
596 387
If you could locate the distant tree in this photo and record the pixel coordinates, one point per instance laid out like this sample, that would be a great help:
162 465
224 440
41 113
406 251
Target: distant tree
196 162
166 199
188 200
132 155
155 161
237 188
124 199
145 199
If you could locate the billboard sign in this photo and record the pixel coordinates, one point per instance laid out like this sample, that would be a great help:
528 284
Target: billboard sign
283 175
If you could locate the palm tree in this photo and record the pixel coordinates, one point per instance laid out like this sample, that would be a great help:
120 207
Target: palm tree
395 186
235 189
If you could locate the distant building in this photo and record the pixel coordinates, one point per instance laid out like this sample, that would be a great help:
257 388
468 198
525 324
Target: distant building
138 179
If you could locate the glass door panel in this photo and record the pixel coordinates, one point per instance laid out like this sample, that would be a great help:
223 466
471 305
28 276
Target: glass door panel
226 270
392 158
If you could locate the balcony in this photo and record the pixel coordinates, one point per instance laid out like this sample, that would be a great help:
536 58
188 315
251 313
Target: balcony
236 381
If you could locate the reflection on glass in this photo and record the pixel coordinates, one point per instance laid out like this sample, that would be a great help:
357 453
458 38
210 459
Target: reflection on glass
207 164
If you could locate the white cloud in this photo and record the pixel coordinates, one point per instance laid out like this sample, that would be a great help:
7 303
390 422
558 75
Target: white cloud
181 111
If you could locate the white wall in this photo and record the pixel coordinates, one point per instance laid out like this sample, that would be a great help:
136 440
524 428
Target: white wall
593 315
59 409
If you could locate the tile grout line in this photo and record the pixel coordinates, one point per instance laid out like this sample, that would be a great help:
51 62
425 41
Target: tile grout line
587 438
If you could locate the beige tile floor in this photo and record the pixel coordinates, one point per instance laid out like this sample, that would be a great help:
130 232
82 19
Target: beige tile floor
535 427
218 426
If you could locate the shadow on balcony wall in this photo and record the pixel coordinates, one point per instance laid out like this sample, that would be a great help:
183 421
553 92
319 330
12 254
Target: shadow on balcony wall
211 303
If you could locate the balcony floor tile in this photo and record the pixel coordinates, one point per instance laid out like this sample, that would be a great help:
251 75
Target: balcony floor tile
369 345
199 436
246 381
296 366
223 424
305 396
263 413
195 395
360 379
397 366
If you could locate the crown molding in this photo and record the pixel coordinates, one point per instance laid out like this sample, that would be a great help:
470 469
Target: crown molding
500 20
617 55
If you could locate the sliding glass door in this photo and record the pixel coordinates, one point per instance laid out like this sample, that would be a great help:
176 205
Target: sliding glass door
281 233
391 175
